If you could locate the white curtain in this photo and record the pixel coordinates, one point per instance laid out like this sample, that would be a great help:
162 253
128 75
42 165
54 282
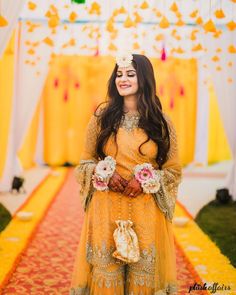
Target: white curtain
201 139
225 92
11 10
29 82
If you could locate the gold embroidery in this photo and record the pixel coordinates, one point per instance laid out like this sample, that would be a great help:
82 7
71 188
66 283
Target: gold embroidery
129 122
79 291
101 257
83 174
104 278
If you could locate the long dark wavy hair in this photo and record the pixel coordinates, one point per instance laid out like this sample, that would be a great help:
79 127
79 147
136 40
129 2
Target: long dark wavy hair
149 107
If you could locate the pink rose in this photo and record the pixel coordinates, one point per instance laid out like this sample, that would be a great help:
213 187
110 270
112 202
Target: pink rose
144 174
99 184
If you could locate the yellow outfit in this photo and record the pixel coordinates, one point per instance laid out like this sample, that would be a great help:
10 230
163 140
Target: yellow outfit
96 271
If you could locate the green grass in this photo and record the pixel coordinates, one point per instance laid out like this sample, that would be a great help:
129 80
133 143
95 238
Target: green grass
218 221
5 217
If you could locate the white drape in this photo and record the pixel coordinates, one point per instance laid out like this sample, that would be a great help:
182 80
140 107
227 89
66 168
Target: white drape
225 92
11 10
201 139
29 81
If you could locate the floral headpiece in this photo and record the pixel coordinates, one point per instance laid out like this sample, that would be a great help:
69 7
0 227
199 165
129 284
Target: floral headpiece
124 59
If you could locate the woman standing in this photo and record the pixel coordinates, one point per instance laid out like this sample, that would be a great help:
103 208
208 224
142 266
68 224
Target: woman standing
129 175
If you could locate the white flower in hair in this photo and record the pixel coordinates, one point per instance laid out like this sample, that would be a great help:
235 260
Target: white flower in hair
124 59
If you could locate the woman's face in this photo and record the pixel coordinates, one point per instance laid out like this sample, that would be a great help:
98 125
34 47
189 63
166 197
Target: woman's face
126 81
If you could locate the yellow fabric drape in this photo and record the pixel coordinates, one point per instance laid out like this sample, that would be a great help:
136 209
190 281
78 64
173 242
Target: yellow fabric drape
6 93
27 151
218 146
68 108
177 79
75 85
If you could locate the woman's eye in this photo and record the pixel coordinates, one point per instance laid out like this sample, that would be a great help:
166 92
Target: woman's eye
129 75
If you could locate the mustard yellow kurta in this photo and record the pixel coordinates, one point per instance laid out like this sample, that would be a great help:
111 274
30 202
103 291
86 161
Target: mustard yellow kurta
96 271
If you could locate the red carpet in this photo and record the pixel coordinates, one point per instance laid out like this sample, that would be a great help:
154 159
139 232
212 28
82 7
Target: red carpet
47 264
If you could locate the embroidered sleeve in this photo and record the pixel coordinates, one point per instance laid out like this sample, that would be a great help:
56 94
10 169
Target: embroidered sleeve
170 177
84 171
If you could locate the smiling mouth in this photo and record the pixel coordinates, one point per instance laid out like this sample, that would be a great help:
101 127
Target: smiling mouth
124 86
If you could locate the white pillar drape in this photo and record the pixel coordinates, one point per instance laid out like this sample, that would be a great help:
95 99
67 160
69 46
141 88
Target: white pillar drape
201 139
11 10
29 82
225 92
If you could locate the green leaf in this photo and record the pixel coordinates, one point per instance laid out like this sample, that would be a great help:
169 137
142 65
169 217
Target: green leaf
78 1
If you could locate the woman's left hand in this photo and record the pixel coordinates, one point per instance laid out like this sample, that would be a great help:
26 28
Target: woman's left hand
133 188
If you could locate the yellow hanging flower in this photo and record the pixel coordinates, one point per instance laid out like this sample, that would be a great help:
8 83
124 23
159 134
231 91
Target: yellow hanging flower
232 49
231 25
3 21
197 47
218 50
180 22
178 14
115 12
159 37
199 21
112 47
95 8
180 50
173 32
54 9
53 21
72 42
122 10
174 7
164 23
219 13
158 13
48 41
136 46
215 58
144 5
209 26
31 5
31 51
194 13
110 25
193 36
128 22
48 14
138 18
73 16
217 34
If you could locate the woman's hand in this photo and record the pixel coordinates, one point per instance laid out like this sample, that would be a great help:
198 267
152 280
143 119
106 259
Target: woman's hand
133 188
117 183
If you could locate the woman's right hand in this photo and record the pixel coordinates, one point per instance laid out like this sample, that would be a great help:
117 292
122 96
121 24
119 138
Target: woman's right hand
117 183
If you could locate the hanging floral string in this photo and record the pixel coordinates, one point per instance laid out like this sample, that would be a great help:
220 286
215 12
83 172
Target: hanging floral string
3 21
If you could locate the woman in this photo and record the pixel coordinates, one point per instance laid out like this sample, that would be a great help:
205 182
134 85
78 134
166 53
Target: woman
140 186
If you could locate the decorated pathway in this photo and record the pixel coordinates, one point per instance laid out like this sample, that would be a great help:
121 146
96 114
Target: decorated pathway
46 263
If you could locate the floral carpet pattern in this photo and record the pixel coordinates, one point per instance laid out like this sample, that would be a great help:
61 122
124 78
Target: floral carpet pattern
46 265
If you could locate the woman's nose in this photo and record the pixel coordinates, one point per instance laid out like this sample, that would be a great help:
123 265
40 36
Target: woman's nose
123 78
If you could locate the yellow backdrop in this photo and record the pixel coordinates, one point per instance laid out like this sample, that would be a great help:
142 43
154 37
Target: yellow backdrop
6 93
76 84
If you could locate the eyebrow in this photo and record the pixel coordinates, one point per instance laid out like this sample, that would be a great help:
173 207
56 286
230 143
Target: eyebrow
127 71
